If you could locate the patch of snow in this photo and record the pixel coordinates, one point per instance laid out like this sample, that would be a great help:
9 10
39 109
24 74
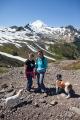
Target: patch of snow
20 58
76 33
50 58
14 57
18 45
31 48
44 49
48 42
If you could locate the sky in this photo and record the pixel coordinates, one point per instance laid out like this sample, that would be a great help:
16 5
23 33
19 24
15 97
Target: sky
54 13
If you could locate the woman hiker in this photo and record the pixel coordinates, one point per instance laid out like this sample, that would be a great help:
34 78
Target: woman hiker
29 66
40 67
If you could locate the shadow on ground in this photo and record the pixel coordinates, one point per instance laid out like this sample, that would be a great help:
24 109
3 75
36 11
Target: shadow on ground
21 105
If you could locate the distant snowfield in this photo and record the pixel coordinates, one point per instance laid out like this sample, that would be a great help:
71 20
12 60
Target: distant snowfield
14 57
20 58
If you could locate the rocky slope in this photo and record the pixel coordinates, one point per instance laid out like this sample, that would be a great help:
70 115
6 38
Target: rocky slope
37 106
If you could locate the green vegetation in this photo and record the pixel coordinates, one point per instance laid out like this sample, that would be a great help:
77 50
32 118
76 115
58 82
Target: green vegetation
73 66
8 48
6 61
65 50
12 49
61 50
3 70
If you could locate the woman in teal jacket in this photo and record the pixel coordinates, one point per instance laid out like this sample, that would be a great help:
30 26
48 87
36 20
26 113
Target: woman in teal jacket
41 66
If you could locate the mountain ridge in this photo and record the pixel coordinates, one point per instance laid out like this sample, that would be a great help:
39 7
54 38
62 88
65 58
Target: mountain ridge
37 35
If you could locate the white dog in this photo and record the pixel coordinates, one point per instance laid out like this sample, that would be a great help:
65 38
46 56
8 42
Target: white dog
13 100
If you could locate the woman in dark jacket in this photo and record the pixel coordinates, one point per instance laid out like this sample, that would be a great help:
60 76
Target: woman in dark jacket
29 70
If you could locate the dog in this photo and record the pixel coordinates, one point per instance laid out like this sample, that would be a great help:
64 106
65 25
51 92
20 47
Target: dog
13 100
64 87
68 89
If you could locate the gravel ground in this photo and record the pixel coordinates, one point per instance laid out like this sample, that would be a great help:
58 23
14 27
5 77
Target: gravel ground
39 106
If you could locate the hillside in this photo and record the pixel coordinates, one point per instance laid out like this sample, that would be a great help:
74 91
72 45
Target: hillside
37 106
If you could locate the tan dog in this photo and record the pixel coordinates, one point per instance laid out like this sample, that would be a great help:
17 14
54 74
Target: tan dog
62 86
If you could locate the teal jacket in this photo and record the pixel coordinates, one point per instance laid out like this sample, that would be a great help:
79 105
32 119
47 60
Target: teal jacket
41 64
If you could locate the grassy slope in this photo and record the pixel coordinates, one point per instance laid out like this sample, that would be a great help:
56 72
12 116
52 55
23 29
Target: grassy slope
61 50
65 50
12 49
3 70
74 66
5 62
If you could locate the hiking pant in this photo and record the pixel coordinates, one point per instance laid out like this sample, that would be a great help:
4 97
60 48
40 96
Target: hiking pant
40 79
29 82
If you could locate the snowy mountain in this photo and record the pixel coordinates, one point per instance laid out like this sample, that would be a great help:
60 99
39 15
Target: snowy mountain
37 35
38 24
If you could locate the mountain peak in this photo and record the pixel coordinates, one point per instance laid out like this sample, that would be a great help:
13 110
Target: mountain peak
38 24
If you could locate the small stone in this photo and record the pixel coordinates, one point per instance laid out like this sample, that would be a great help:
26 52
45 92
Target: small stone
2 116
36 104
1 106
42 101
2 91
45 95
53 102
4 86
10 90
